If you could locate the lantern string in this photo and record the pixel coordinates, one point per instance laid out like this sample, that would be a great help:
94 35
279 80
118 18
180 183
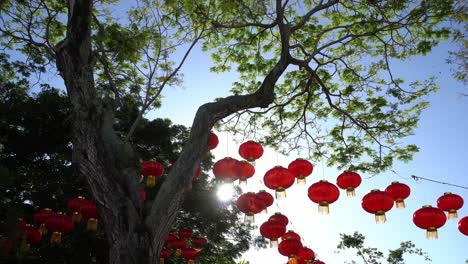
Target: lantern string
417 178
399 175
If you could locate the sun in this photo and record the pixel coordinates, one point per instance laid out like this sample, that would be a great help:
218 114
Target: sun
225 192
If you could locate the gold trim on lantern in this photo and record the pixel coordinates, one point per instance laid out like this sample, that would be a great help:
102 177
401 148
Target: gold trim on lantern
292 259
301 180
92 224
161 260
43 229
323 208
452 214
380 217
350 192
400 203
178 252
431 233
280 193
56 237
150 181
76 217
249 218
445 193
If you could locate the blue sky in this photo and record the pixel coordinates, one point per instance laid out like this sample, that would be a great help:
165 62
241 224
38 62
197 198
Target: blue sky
441 136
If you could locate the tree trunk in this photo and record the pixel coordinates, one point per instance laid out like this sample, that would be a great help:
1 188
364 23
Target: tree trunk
135 234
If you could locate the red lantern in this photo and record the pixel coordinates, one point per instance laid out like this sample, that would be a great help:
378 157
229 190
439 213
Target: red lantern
40 217
306 254
32 235
463 225
301 168
165 253
246 170
323 193
272 229
250 150
450 203
429 218
59 224
349 181
189 255
226 169
178 245
290 248
318 262
213 140
199 241
185 233
74 206
266 198
291 235
21 224
280 217
171 237
90 212
377 202
151 170
399 192
249 204
279 179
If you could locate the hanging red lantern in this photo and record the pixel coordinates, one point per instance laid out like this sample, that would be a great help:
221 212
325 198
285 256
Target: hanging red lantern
40 217
291 235
213 140
74 206
178 245
199 242
399 192
171 237
323 193
463 225
266 198
226 169
429 218
165 254
306 254
279 179
59 224
301 168
249 204
250 150
290 248
450 203
318 262
272 229
377 202
349 181
189 255
90 212
185 233
246 171
151 170
280 217
32 235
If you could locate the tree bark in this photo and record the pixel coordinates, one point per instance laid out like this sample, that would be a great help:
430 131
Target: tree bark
109 164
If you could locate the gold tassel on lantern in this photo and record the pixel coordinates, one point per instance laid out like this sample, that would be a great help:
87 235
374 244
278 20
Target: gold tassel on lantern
249 218
280 193
76 217
380 217
56 237
191 261
292 260
301 180
350 192
274 243
323 208
431 233
151 181
400 203
452 214
92 224
43 229
178 252
161 261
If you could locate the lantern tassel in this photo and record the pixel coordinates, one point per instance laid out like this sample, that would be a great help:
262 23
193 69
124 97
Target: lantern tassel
400 203
161 260
191 261
280 193
380 217
323 208
43 229
292 260
274 243
92 224
178 252
151 181
56 237
452 214
431 233
301 180
76 217
249 218
350 192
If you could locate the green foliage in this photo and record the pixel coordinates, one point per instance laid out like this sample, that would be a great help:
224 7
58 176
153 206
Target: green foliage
371 255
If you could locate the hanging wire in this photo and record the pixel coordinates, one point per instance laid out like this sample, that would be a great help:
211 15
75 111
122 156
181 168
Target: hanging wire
396 173
417 178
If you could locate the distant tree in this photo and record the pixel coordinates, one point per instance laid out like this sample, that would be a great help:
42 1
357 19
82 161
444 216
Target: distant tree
314 73
370 255
36 172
